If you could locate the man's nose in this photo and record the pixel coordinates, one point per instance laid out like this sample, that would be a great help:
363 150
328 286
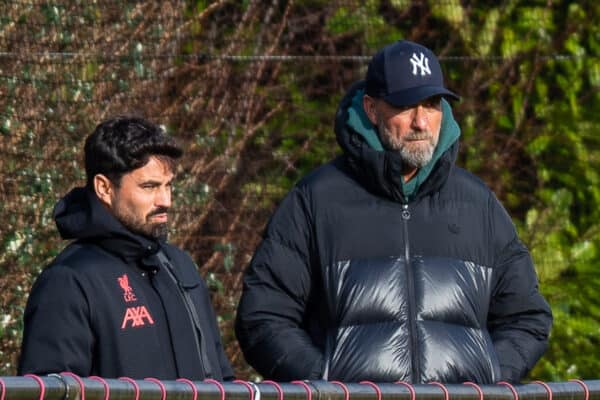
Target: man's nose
163 197
420 120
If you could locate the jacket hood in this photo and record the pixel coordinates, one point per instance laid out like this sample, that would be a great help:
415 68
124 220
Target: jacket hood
80 215
380 170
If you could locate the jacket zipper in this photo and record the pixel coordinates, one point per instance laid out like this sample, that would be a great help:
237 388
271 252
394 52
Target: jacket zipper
412 318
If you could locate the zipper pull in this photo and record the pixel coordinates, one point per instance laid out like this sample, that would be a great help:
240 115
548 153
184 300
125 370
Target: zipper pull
405 212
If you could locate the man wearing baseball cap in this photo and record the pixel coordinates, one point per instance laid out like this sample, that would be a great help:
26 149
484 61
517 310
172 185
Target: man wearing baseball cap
390 262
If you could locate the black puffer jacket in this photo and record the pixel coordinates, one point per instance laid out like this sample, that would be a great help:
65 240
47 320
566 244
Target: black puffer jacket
354 280
106 305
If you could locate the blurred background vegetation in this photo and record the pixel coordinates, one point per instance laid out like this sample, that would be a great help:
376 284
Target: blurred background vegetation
251 87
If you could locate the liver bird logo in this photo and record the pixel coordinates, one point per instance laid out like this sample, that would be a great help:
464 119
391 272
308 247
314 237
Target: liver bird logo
128 294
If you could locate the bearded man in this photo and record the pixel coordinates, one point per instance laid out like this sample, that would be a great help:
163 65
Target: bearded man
390 262
119 300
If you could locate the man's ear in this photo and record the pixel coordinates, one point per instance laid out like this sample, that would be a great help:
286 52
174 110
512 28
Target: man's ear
104 189
369 107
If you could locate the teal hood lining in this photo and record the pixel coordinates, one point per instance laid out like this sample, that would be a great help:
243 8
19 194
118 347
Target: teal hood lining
449 134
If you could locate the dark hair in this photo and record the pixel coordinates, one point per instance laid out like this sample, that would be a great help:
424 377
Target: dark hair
123 143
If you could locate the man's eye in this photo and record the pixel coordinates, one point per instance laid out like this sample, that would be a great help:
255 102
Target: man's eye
403 110
433 103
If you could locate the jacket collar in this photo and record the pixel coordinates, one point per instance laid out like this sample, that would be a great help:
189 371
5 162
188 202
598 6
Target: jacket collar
80 215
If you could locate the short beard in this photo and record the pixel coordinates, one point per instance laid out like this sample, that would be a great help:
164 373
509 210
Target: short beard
412 157
158 231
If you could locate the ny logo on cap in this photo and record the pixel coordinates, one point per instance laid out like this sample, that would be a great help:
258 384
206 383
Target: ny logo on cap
422 63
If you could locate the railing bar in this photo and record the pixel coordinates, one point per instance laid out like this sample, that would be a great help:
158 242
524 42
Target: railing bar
22 388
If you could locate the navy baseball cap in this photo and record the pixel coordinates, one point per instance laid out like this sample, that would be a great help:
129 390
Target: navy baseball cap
404 73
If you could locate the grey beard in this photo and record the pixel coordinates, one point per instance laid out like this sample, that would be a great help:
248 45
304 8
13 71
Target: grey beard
414 158
418 158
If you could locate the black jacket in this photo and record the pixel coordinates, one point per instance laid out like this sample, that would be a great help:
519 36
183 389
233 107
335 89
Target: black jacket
354 280
107 306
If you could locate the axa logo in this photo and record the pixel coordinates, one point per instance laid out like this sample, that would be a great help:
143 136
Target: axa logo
137 316
128 294
420 63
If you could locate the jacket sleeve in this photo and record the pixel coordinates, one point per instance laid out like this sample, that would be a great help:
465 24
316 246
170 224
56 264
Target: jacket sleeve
57 335
277 284
227 373
519 318
226 369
